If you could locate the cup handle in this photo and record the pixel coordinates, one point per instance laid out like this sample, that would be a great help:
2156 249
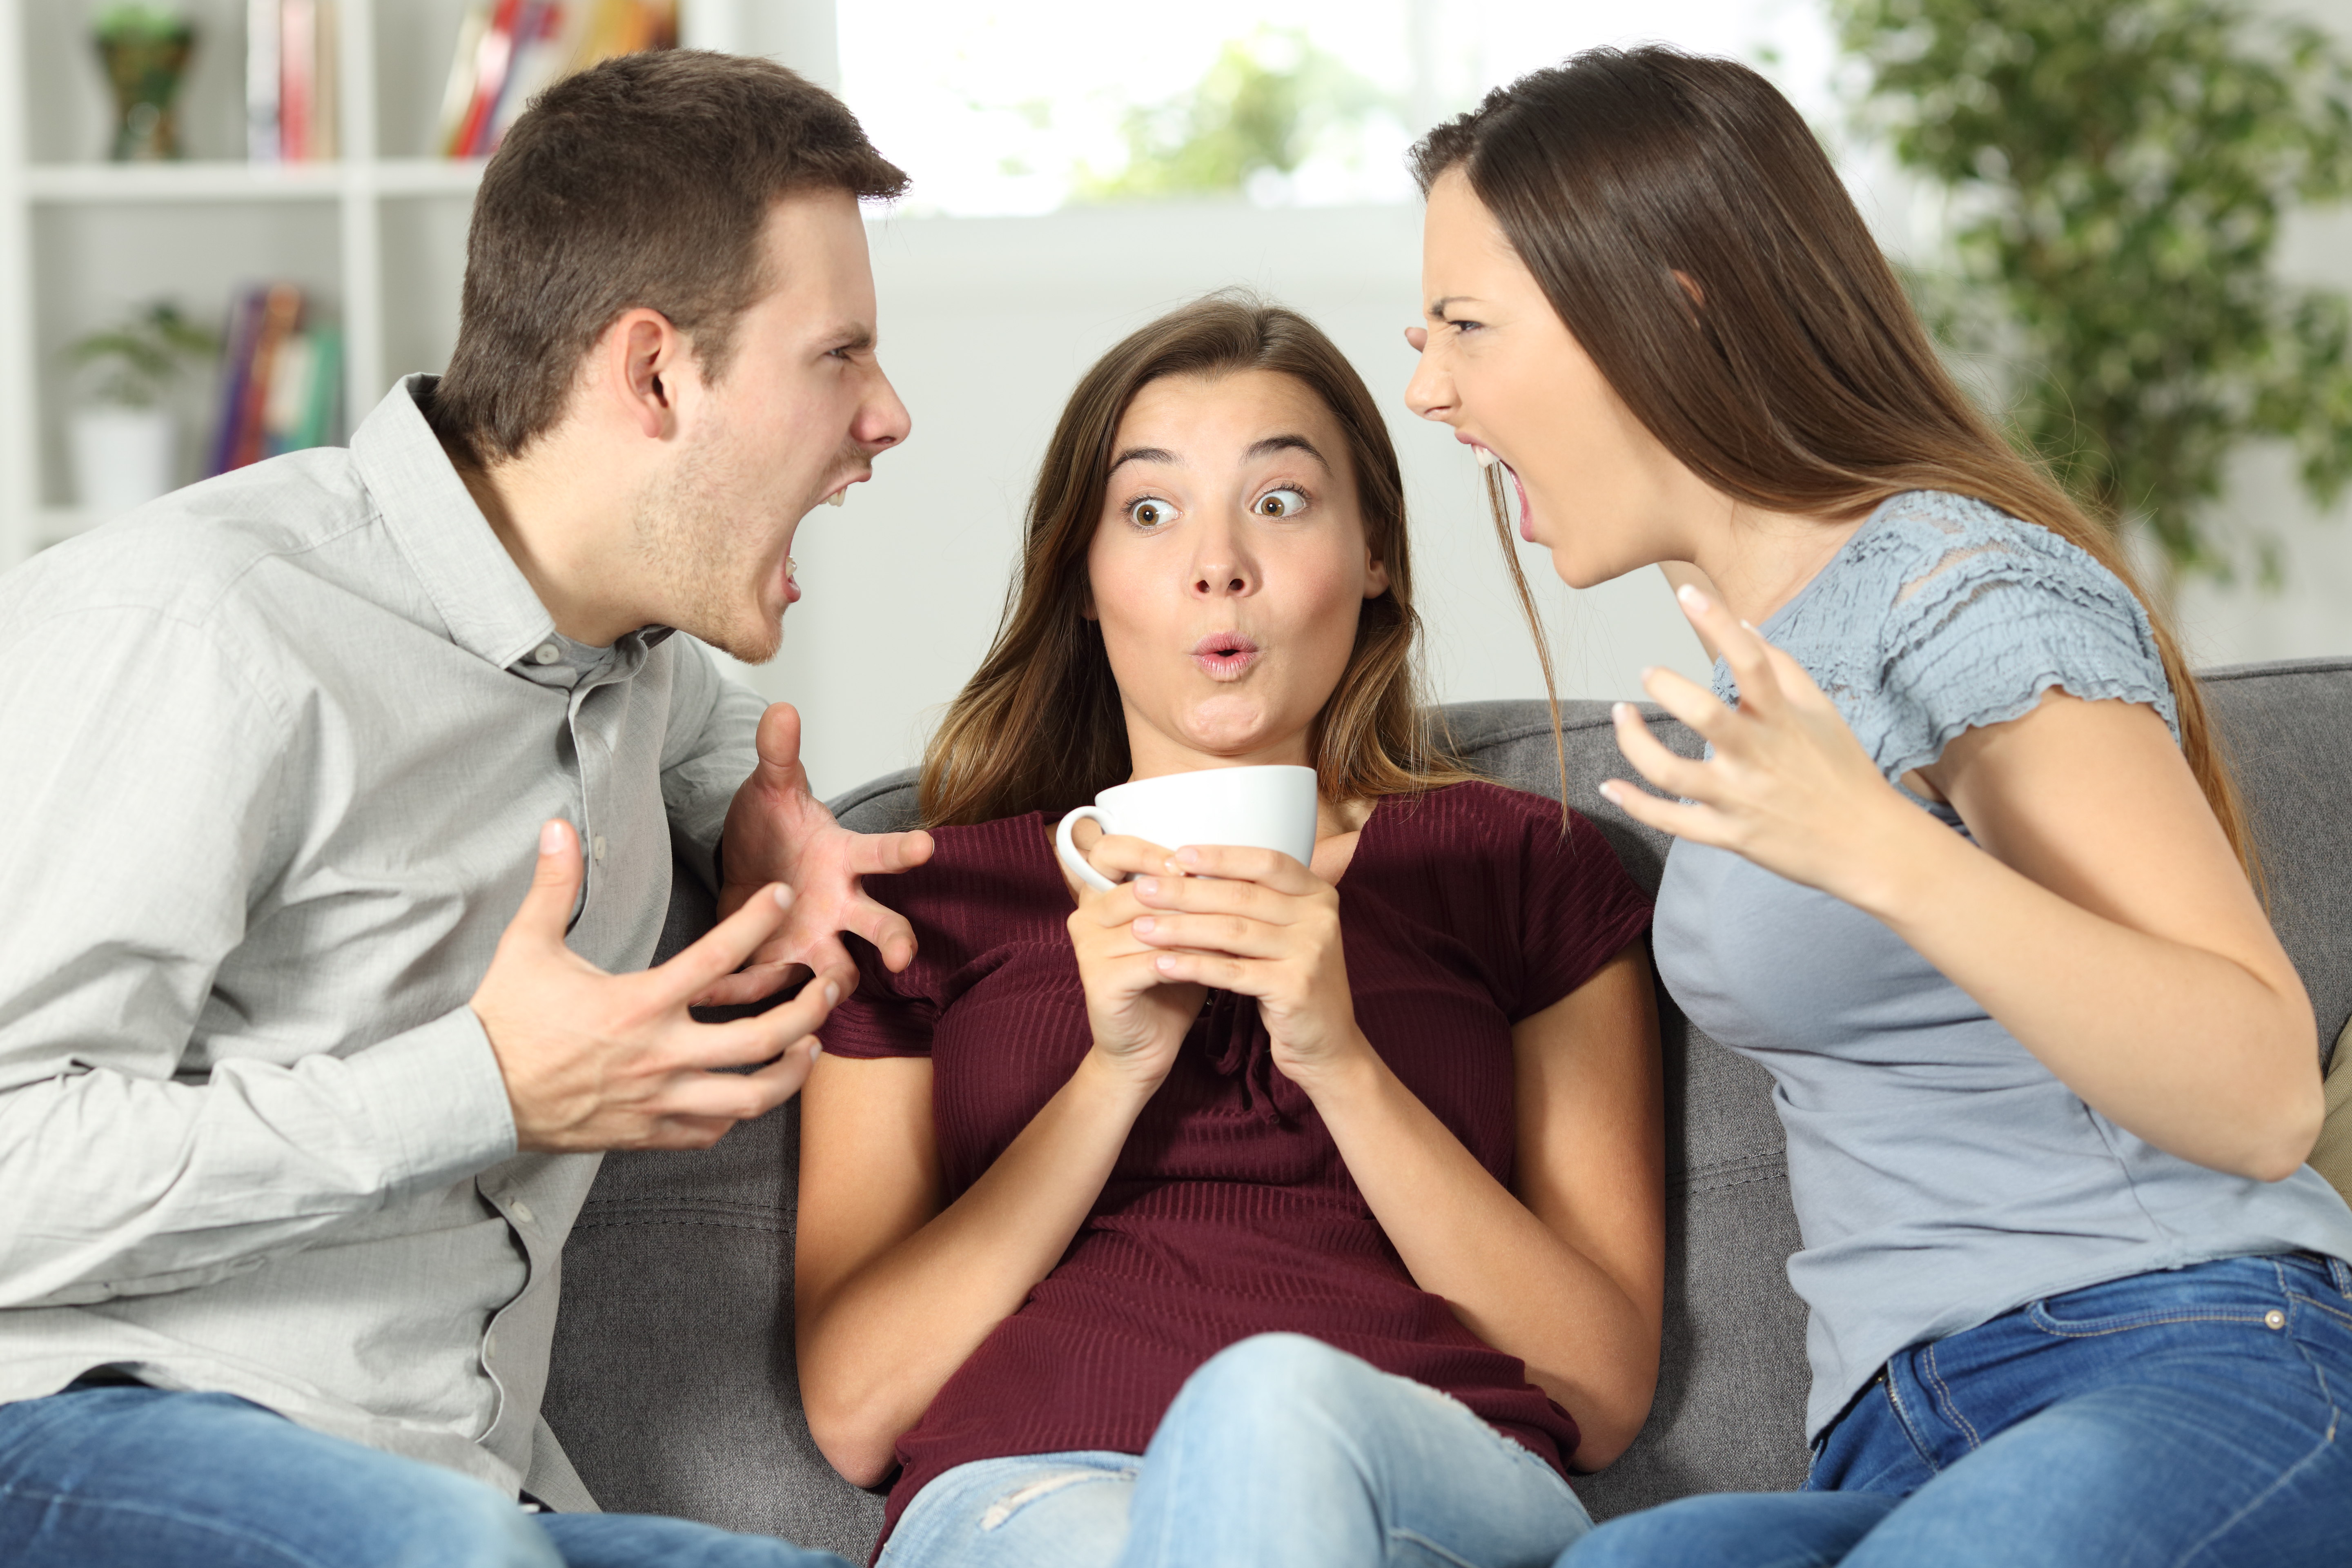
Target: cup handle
1068 850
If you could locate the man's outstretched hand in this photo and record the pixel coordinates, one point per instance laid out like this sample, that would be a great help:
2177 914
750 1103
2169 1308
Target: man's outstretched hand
597 1061
778 832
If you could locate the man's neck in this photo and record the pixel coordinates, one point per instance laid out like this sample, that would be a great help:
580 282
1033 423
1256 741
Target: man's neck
557 539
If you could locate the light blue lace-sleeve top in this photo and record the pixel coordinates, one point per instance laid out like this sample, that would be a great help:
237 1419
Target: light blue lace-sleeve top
1941 1175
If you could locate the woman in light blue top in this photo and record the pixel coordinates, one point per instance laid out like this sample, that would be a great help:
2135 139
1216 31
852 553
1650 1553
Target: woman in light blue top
1963 866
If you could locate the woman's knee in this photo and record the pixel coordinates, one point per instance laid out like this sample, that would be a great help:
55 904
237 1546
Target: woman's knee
1275 1376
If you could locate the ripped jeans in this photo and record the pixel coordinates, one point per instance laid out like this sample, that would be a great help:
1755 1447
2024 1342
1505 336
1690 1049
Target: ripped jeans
1279 1450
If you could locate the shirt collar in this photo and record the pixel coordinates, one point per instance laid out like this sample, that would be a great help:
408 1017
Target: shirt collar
483 597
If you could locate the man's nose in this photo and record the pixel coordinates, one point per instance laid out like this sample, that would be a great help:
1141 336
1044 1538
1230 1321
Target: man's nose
882 419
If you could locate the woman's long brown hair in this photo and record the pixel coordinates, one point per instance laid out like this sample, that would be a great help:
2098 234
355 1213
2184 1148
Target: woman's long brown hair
1793 372
1040 728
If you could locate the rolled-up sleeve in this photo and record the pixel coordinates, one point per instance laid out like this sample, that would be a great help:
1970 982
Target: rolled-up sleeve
144 783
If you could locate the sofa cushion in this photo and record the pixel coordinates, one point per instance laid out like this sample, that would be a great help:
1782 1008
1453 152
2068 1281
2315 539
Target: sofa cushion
674 1391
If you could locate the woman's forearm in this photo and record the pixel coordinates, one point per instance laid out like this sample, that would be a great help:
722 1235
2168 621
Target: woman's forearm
875 1354
2183 1046
1515 1284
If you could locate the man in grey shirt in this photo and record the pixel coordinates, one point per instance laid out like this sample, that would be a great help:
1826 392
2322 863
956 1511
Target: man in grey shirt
291 1130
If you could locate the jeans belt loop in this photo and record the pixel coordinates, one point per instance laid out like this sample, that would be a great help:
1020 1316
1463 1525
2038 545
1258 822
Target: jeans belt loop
2341 1273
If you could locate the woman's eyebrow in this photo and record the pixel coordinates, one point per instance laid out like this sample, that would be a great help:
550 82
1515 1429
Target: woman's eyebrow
1146 455
1272 444
1437 308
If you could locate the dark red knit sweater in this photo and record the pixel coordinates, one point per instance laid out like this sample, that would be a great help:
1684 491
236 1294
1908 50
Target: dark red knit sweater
1230 1212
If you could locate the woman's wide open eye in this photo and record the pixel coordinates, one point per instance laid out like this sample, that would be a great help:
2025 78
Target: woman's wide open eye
1150 512
1280 503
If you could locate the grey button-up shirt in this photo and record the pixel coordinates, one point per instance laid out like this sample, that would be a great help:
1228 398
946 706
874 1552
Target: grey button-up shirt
274 754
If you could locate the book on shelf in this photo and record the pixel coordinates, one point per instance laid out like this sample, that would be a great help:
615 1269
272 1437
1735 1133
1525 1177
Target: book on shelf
280 380
291 112
509 51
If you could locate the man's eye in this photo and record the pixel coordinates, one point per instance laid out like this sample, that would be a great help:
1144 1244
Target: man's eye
1280 503
1150 513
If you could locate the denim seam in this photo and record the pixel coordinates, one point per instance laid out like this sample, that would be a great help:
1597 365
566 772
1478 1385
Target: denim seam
2056 1328
2318 1452
1944 1397
65 1500
1902 1419
1400 1532
2338 1313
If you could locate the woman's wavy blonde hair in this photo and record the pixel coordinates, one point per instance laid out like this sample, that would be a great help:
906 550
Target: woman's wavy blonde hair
1040 726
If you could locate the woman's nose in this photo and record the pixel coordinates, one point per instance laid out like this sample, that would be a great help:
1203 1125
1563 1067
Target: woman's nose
1222 568
1430 393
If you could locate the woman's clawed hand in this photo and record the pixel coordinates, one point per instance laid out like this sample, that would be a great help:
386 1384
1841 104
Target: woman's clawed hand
1789 786
1138 1019
1257 923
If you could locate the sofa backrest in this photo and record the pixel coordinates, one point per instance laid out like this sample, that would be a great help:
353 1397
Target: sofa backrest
674 1391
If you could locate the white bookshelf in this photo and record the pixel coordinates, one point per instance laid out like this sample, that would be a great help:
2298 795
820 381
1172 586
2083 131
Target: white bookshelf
376 238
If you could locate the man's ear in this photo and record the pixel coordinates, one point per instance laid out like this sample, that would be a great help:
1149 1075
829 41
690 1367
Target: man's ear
644 355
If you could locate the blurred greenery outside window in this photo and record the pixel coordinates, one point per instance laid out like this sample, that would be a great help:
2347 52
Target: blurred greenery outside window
2117 175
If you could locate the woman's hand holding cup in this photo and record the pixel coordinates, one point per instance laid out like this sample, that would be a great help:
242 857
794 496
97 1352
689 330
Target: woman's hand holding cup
1257 923
1138 1015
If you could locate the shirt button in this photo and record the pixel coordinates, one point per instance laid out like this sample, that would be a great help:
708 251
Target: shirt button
522 1211
546 653
2274 1319
600 846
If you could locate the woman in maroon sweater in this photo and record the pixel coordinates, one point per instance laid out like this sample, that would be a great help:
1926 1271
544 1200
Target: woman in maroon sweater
1250 1212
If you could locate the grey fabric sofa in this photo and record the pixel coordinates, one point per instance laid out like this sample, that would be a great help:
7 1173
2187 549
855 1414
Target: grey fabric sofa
673 1387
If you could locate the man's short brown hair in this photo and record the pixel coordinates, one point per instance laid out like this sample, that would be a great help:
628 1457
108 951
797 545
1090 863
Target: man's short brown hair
646 182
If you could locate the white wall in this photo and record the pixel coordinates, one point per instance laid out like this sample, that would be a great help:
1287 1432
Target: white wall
986 325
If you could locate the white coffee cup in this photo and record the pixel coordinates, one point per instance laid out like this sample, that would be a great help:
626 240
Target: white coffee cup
1258 808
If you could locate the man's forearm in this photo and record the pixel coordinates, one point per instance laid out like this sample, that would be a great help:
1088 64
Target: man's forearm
114 1185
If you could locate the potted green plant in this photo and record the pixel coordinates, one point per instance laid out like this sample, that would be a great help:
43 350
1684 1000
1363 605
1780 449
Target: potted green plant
2117 173
124 439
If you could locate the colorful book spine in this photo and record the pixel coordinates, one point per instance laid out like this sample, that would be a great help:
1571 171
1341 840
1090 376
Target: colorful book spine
508 51
281 313
297 52
236 362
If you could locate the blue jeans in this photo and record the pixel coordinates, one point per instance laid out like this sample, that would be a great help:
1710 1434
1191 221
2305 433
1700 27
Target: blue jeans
2201 1416
1278 1451
128 1477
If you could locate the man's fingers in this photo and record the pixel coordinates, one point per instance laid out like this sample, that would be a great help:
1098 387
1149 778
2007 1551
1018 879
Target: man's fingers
890 932
778 743
741 1097
723 948
753 1042
754 983
546 911
879 854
